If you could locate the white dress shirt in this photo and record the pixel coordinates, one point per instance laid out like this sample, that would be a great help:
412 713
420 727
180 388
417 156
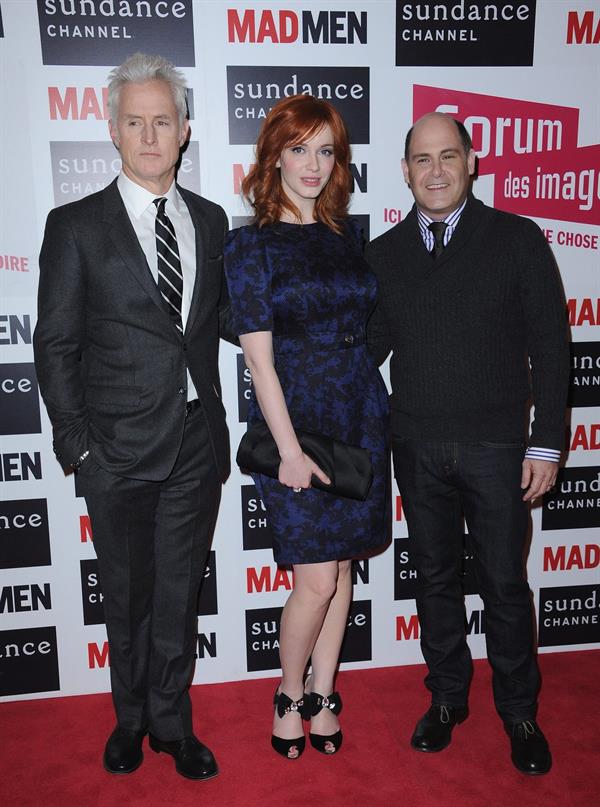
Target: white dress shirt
140 207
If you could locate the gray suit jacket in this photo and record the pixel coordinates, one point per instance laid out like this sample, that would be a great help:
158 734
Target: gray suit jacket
110 363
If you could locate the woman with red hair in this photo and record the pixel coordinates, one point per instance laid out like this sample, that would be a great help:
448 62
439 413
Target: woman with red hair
301 294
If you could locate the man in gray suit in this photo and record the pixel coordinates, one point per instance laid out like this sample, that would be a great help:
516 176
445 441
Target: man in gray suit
126 346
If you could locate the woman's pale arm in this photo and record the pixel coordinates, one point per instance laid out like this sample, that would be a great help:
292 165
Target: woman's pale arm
296 468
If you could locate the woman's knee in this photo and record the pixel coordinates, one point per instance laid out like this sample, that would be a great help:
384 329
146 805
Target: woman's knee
318 582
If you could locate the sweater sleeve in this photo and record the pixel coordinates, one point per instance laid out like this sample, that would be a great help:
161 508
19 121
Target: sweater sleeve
544 310
379 332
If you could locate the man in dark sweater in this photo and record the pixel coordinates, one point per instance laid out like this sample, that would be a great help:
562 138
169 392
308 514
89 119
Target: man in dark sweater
470 303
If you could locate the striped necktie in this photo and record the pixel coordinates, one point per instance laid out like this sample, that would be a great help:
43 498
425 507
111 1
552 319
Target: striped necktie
438 228
170 276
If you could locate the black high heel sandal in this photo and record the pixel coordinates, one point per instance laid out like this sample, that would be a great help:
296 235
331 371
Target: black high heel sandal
325 743
285 705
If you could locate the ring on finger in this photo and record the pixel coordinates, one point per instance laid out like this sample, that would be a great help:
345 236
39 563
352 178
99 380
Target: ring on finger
297 490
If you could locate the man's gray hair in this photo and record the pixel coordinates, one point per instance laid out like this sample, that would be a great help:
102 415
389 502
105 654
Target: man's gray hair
143 67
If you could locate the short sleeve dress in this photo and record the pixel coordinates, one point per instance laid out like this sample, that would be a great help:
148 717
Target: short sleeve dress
314 291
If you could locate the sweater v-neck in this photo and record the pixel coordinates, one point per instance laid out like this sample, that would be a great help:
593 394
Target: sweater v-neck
470 221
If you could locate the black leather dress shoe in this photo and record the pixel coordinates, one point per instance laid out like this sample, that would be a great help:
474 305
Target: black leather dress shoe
123 752
530 752
434 730
192 759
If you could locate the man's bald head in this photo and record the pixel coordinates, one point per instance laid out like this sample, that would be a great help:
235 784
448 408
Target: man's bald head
465 137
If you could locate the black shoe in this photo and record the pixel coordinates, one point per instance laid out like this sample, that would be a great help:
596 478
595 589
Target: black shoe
530 752
325 743
292 749
434 730
192 759
123 752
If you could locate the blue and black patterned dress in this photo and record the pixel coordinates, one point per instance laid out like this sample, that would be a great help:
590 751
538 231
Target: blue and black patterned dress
313 290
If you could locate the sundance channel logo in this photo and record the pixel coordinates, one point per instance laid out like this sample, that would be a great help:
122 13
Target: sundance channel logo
244 384
262 636
406 577
83 167
28 661
24 534
106 32
253 90
93 599
463 33
256 531
575 501
584 389
19 399
569 615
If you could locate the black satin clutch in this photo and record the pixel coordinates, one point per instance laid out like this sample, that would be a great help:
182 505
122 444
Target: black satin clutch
348 467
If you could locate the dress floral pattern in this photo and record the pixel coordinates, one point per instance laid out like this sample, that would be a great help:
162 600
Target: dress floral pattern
313 290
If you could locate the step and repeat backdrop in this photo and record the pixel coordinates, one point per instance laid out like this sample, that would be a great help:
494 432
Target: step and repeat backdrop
522 75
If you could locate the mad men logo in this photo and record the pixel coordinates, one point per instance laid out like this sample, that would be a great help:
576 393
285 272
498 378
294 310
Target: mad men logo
464 33
255 525
574 503
15 329
583 28
583 311
253 90
585 438
409 628
569 615
19 399
25 597
281 578
360 572
83 167
85 103
20 466
262 636
285 27
406 577
28 661
106 32
268 579
584 388
531 148
24 534
359 183
575 557
207 597
91 593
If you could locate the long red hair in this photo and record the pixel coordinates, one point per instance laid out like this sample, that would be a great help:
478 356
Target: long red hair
292 121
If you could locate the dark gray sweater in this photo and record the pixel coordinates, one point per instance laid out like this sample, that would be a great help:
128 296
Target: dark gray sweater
463 330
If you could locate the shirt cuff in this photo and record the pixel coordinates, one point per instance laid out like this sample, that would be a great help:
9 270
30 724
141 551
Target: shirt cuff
546 454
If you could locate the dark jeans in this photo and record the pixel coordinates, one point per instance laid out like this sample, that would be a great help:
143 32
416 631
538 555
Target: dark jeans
439 483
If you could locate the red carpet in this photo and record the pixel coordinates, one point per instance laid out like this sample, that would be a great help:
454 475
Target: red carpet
50 752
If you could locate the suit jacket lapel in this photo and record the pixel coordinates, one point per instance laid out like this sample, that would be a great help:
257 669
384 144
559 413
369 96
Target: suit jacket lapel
126 243
202 241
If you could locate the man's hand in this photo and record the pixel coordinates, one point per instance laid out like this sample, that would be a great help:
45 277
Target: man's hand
538 477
